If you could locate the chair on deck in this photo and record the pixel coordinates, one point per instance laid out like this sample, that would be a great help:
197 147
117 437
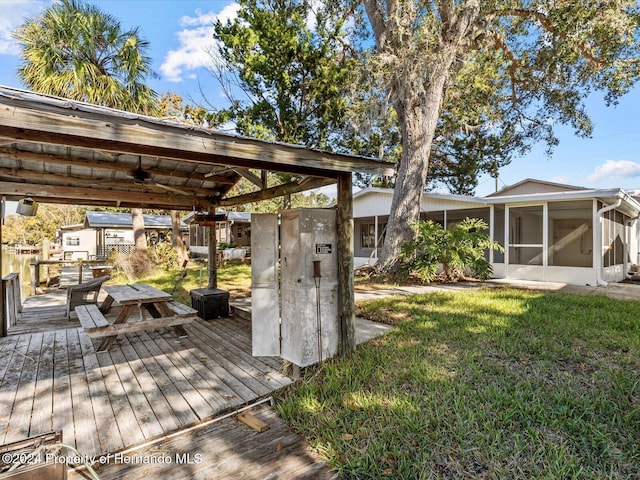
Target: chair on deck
84 293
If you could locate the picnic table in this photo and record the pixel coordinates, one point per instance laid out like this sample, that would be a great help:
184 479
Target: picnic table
143 307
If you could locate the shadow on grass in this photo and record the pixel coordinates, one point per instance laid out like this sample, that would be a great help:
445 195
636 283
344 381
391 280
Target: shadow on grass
489 384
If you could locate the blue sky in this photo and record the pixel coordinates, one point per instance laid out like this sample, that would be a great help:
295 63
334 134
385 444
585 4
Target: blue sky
179 32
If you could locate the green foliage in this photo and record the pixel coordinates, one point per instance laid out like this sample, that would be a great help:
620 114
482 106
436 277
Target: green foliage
23 230
493 383
289 59
163 255
172 107
274 205
458 249
75 50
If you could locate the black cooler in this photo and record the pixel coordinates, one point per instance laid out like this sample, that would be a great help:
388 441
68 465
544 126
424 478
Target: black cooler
210 302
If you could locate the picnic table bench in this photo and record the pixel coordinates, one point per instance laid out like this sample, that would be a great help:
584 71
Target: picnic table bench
154 308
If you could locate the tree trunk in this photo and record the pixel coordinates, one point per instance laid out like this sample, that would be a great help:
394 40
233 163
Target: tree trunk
416 87
419 120
140 259
176 239
139 237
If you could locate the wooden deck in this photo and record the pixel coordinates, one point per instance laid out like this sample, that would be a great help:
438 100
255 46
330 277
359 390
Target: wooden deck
148 384
152 394
226 449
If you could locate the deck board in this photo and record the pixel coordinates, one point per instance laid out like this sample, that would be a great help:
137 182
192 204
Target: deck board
147 386
243 359
203 379
20 412
157 402
62 414
222 450
84 425
41 420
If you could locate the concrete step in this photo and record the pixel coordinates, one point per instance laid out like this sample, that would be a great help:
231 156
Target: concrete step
241 308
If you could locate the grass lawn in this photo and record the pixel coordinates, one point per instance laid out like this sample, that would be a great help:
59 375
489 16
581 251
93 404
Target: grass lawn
233 277
493 383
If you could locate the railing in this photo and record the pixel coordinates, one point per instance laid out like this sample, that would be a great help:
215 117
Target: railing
12 302
35 269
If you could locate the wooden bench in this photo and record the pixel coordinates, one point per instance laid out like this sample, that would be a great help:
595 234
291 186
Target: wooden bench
96 325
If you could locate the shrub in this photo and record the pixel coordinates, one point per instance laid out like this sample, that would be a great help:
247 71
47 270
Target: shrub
163 255
459 249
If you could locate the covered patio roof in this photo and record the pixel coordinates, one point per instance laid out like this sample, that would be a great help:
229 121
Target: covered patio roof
60 151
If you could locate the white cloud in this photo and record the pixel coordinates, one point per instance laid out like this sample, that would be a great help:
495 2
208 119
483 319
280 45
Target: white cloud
615 169
12 15
196 43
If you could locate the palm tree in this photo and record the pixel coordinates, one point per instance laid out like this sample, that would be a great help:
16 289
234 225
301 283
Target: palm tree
75 50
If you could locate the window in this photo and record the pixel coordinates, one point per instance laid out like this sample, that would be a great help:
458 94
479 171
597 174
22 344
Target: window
73 241
368 234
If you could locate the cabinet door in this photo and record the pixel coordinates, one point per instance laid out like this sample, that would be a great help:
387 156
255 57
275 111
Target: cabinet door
265 305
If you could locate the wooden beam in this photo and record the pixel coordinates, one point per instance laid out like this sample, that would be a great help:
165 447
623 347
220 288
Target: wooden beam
58 179
177 154
15 154
27 117
249 175
277 191
86 195
346 295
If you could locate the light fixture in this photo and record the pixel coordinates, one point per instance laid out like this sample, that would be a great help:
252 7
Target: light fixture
27 207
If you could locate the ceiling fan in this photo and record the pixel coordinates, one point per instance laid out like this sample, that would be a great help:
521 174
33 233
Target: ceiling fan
139 175
143 177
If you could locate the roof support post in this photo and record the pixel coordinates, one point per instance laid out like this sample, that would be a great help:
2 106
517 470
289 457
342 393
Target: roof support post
213 253
346 297
3 310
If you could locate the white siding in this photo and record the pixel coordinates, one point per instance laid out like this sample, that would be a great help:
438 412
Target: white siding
372 203
86 247
430 204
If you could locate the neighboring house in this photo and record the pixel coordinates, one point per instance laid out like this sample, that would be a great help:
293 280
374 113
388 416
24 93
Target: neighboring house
553 232
232 228
103 232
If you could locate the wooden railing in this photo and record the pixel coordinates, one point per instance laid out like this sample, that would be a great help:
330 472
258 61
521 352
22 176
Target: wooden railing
35 269
11 300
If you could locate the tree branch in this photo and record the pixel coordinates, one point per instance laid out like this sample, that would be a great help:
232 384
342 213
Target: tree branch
585 49
378 24
497 39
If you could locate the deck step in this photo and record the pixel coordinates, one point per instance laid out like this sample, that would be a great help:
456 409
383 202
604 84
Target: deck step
241 310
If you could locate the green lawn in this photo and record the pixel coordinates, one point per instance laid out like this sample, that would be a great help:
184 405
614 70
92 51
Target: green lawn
234 277
482 384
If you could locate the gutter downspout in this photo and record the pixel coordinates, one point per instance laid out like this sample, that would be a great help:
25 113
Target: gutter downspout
599 218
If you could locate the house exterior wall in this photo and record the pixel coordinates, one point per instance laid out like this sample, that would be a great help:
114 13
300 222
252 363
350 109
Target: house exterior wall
553 240
79 244
372 203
